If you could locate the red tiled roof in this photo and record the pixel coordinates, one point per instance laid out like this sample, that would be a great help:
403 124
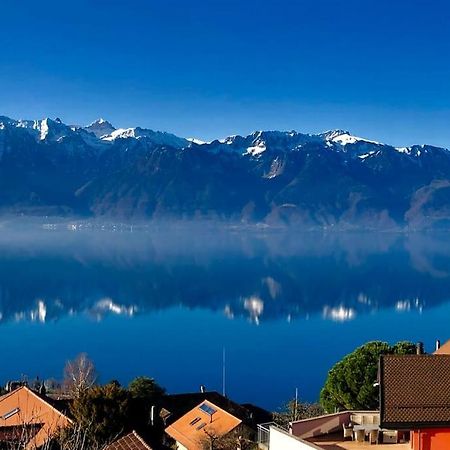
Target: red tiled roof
131 441
414 391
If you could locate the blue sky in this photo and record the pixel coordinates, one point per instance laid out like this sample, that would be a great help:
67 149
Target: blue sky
210 68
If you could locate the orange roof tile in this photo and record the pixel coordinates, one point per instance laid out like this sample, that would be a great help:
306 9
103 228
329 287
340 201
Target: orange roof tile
24 407
444 349
193 428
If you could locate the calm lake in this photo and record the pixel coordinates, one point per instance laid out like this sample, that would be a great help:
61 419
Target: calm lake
166 302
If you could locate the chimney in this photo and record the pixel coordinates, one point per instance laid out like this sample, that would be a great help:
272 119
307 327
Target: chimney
419 348
152 415
438 344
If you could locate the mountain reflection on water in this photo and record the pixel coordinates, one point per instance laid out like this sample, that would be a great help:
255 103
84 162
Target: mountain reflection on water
166 302
270 276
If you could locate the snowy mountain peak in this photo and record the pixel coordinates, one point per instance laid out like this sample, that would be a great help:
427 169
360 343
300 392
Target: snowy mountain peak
262 144
157 137
100 128
47 128
345 137
333 134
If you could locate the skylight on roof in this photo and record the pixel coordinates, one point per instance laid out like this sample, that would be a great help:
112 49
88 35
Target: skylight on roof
203 424
196 420
10 413
207 409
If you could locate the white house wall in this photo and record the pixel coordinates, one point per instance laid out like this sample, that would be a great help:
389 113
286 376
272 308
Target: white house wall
281 440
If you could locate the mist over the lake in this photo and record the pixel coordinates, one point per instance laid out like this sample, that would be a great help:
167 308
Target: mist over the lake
192 289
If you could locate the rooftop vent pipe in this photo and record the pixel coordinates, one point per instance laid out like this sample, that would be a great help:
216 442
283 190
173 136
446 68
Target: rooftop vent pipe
419 348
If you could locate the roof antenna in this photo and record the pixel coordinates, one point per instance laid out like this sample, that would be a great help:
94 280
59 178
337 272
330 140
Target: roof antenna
223 372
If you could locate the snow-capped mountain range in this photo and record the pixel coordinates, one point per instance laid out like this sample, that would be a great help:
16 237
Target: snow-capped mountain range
332 179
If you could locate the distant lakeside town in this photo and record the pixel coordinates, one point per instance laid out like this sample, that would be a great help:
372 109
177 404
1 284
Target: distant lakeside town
379 394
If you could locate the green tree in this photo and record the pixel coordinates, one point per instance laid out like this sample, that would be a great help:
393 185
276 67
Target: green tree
351 383
145 388
102 412
404 348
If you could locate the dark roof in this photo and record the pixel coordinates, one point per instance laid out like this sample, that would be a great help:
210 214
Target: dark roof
414 391
131 441
259 415
180 404
62 405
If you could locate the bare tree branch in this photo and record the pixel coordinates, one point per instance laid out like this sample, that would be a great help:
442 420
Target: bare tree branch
79 374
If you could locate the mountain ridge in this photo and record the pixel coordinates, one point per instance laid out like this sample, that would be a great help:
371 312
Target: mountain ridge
328 180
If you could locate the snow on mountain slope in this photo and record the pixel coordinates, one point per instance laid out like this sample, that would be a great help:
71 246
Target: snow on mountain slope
42 130
419 150
101 133
257 149
257 143
97 134
197 141
275 177
157 137
345 137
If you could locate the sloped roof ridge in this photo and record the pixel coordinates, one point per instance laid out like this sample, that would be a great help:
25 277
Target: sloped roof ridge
444 349
30 391
141 440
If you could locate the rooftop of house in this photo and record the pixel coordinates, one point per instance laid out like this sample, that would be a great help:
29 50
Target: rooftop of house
25 408
414 391
131 441
322 439
205 420
444 349
176 405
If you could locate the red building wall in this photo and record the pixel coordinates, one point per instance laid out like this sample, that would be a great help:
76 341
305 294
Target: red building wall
431 439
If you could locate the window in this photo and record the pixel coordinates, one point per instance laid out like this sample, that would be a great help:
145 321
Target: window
10 413
197 419
207 409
